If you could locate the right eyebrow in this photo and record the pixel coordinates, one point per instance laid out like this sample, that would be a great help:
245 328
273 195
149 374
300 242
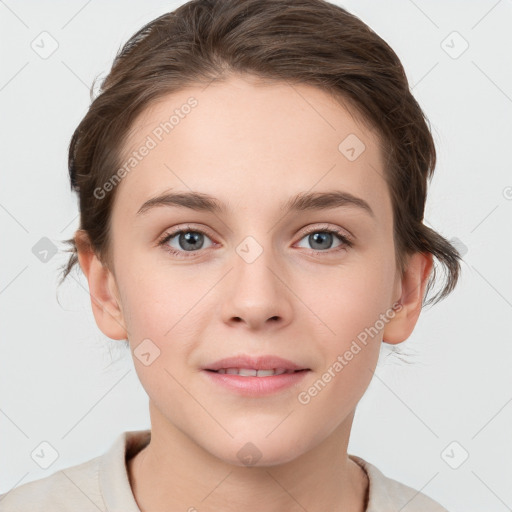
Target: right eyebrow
192 200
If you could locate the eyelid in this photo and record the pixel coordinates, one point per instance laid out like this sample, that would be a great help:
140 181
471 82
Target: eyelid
328 227
184 228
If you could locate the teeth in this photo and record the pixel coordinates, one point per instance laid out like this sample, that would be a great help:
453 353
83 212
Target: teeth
250 372
245 372
266 373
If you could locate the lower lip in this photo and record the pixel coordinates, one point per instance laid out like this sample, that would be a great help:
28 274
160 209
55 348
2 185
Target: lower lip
256 386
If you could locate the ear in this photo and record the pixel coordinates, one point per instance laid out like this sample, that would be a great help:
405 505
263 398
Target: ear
105 301
411 289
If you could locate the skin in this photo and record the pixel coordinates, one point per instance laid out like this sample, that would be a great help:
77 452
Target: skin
252 145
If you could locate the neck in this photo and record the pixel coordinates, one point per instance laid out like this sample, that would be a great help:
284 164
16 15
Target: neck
173 473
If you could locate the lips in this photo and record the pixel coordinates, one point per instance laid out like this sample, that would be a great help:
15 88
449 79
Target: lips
254 377
247 365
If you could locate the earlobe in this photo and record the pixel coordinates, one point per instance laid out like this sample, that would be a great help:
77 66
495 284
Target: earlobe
413 284
105 301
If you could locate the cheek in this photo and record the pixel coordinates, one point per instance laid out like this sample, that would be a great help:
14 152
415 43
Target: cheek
157 317
156 298
166 312
353 298
351 315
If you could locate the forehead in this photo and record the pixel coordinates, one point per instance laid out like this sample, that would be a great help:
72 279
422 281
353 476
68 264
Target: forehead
243 141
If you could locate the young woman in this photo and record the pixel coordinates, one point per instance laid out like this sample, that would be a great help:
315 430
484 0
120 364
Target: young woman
252 179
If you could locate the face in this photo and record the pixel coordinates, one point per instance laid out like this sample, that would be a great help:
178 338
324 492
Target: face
261 274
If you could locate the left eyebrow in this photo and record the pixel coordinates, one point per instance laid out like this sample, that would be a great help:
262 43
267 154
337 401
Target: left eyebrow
325 201
300 202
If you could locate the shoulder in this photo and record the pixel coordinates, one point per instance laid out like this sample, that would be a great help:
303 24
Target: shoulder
388 495
74 488
97 485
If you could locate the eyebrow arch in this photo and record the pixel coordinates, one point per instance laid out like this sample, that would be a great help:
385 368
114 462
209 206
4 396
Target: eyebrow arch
325 201
301 202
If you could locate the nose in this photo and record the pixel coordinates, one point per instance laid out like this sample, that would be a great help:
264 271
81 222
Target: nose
256 293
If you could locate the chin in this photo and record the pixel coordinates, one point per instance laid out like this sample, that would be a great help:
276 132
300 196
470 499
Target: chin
259 453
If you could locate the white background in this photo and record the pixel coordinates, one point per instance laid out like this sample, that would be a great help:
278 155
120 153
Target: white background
63 382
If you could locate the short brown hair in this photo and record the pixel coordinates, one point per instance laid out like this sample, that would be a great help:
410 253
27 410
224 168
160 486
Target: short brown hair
309 42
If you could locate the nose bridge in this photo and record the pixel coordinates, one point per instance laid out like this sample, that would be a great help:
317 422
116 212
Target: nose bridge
255 267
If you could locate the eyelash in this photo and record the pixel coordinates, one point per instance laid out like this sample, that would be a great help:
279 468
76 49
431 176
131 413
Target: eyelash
346 242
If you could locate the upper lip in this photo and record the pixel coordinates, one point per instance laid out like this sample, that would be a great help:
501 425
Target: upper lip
257 363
